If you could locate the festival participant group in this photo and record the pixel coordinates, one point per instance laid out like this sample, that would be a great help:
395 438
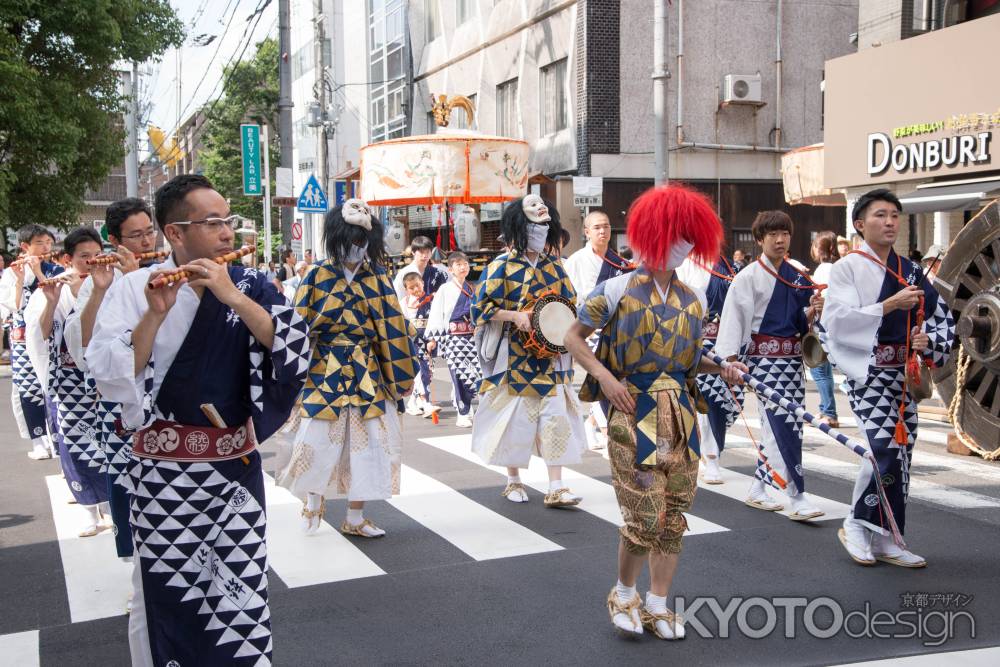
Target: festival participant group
155 376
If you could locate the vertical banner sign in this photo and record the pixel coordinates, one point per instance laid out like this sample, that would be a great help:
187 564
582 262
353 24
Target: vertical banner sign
250 144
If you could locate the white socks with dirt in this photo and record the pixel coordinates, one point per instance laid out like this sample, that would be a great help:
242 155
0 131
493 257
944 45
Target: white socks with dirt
628 622
657 604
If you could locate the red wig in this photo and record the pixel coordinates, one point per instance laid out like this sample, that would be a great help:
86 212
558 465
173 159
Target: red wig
663 215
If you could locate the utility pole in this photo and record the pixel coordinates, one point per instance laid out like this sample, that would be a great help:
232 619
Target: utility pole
132 149
320 93
285 128
661 138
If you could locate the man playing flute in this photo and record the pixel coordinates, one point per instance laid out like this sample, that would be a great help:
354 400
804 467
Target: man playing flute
204 369
130 229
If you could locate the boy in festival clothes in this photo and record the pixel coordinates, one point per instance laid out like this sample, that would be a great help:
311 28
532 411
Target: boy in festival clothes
643 372
767 311
416 306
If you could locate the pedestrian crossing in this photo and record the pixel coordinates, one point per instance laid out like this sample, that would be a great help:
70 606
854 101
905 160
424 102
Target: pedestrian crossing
428 507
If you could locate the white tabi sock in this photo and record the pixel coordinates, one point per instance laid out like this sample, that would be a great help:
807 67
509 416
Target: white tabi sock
355 517
513 479
313 501
624 593
555 485
656 604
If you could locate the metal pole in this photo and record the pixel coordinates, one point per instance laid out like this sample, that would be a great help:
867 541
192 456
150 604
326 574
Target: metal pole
285 128
661 139
265 149
320 93
132 149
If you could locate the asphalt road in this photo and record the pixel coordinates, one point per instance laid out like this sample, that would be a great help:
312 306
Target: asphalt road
466 577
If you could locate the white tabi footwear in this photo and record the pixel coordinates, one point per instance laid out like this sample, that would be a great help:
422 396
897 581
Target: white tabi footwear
313 518
857 540
758 499
667 625
802 510
515 492
39 452
711 474
887 551
413 406
625 616
364 529
562 497
463 421
429 409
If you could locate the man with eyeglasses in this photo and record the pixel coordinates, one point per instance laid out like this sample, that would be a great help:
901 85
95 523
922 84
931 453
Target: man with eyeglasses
204 369
129 223
587 268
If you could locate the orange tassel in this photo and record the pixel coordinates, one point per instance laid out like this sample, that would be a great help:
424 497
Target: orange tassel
434 418
901 435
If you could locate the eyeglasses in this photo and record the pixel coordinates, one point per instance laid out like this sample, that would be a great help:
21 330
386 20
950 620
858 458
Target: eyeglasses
136 236
216 224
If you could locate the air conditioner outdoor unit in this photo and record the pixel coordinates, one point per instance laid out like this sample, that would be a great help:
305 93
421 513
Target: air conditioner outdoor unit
741 89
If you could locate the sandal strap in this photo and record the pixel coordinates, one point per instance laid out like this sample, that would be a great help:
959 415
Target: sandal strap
315 514
669 616
512 487
615 606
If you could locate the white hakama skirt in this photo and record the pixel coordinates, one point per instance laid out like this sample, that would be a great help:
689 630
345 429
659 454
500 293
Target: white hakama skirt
350 456
509 428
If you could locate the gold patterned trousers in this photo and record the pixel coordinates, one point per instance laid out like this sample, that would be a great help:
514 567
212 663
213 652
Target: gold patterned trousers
653 501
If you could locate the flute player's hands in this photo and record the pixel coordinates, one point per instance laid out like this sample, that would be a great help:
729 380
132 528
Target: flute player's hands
206 273
162 299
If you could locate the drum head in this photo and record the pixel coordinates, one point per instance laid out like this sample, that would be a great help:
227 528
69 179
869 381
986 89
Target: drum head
554 320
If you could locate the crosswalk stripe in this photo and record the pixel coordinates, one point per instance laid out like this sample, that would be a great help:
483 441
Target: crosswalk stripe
306 560
598 497
920 489
978 657
21 649
737 484
477 530
97 583
989 473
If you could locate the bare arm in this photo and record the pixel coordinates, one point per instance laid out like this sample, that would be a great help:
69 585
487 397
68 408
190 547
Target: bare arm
613 390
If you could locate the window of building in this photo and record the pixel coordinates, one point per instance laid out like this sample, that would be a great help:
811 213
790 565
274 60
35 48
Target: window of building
432 19
463 10
555 107
386 69
507 109
303 60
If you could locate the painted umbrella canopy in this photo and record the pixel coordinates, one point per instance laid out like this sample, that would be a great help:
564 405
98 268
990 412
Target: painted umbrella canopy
456 167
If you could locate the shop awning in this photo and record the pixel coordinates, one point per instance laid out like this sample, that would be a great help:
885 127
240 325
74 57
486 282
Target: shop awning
943 197
802 176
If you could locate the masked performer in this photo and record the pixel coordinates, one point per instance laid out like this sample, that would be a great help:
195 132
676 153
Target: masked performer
73 393
643 371
450 328
526 403
204 369
881 315
363 364
767 311
130 229
587 268
17 284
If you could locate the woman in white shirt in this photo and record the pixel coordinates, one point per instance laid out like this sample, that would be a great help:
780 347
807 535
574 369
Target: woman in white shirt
824 251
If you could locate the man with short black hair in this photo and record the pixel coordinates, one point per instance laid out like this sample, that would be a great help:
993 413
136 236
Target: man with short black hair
129 223
204 367
17 284
882 315
767 311
80 454
433 276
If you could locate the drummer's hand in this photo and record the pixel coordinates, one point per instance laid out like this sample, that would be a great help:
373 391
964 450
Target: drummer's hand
617 394
522 321
733 373
919 341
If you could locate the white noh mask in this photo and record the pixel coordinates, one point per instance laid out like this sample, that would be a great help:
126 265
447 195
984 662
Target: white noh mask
535 209
356 212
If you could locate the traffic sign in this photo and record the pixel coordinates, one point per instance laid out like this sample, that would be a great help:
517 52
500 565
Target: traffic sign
340 192
250 150
312 199
296 231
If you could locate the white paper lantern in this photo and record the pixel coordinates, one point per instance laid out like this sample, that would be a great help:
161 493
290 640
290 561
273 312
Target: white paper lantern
467 229
395 237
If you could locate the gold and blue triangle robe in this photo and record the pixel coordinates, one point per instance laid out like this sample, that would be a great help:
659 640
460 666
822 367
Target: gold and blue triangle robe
526 404
652 344
363 362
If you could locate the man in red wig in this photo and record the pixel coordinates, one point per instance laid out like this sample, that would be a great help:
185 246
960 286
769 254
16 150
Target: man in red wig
643 373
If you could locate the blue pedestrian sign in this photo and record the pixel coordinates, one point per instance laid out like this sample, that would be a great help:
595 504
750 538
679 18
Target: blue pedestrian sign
312 199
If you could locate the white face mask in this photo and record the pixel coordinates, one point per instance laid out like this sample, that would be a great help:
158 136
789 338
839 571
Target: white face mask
356 212
678 253
356 253
537 236
535 209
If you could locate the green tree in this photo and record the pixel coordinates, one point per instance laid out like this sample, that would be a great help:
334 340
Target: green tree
249 95
60 98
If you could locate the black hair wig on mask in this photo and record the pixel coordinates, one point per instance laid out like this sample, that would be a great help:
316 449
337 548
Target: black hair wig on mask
339 236
514 226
